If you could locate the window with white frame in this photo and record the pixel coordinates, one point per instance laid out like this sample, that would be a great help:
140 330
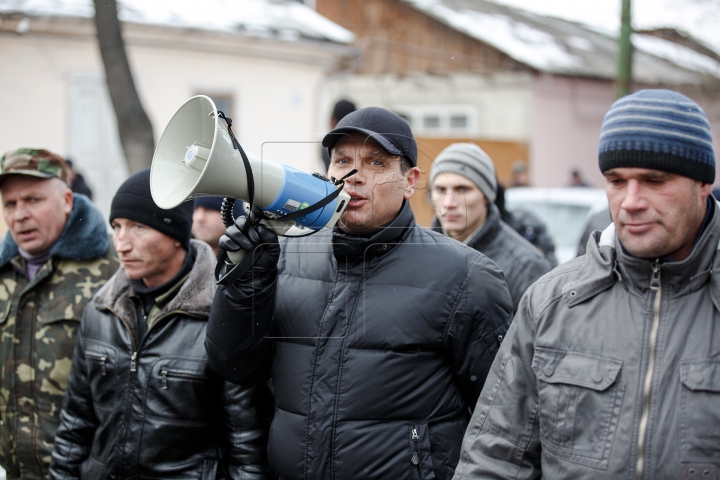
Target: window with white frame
440 120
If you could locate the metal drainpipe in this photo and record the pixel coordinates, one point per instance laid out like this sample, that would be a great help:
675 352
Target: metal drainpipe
625 52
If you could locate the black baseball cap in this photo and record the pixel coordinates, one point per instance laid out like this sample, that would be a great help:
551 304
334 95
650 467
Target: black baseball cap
388 129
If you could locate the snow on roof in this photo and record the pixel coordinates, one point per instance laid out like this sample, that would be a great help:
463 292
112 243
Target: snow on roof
559 46
698 17
286 19
681 55
520 40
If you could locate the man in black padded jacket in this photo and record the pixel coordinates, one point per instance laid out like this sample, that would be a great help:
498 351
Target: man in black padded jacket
377 335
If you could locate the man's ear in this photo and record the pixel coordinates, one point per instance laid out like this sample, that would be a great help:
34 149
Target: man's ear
69 199
706 189
411 179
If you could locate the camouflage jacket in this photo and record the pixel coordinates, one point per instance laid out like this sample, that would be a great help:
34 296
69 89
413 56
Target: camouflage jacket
39 319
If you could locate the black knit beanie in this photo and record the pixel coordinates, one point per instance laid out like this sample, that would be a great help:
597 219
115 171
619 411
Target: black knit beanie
134 202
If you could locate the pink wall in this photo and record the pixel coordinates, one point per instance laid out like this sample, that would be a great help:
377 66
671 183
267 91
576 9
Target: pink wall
566 119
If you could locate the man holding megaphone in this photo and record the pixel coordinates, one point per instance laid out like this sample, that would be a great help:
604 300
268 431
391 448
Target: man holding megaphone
377 335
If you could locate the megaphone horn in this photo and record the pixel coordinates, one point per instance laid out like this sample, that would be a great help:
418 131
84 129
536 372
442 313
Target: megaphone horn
198 156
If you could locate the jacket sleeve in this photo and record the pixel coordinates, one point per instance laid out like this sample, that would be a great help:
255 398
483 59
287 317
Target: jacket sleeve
502 440
236 340
77 419
478 325
248 413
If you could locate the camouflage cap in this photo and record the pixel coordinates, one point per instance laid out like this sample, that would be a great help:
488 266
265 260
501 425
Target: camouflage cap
34 162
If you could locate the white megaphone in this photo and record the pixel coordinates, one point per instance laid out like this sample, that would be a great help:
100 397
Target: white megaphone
197 157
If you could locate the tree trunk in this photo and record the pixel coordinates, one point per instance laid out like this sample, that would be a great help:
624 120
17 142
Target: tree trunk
136 134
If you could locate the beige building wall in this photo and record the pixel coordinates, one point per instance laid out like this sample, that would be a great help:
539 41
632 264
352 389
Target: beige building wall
54 95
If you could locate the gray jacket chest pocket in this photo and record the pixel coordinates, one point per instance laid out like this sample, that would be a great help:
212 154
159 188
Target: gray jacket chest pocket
579 404
700 409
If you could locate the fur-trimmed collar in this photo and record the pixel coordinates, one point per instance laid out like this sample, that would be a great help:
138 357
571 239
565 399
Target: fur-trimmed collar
84 237
194 297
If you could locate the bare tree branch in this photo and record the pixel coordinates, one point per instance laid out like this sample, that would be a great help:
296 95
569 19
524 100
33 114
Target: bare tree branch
136 134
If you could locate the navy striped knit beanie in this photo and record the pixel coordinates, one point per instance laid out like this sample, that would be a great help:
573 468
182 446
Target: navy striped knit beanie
659 130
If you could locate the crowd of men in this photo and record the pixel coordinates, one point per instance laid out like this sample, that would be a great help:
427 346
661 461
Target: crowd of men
376 349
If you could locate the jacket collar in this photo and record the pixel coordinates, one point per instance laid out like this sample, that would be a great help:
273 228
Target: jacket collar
489 230
353 247
193 298
83 238
606 263
484 235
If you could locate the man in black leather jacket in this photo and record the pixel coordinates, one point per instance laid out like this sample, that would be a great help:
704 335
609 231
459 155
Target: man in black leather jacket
377 335
142 399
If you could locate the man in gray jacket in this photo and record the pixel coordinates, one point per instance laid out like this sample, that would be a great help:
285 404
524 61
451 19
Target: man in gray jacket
463 188
611 368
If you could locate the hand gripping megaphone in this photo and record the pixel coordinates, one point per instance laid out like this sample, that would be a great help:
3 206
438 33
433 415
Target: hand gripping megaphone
198 156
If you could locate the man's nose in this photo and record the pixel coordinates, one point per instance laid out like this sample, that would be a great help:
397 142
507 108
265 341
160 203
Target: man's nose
20 212
358 178
634 197
121 241
449 200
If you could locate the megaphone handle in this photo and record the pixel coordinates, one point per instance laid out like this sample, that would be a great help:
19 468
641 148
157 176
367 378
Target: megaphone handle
236 257
238 270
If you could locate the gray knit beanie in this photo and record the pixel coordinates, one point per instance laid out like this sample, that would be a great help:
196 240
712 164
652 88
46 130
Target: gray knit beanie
468 160
658 130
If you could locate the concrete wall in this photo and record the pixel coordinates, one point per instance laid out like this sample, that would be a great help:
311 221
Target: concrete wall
500 102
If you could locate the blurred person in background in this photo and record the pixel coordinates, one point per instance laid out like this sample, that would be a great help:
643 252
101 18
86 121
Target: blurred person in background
76 181
207 222
142 399
340 110
576 180
528 225
520 176
56 254
463 188
611 368
597 222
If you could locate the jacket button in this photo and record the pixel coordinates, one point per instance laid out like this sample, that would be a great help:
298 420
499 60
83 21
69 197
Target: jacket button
597 376
549 369
573 293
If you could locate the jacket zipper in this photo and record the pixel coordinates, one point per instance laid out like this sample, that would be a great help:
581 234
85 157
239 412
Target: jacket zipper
133 359
167 373
415 459
647 387
103 359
